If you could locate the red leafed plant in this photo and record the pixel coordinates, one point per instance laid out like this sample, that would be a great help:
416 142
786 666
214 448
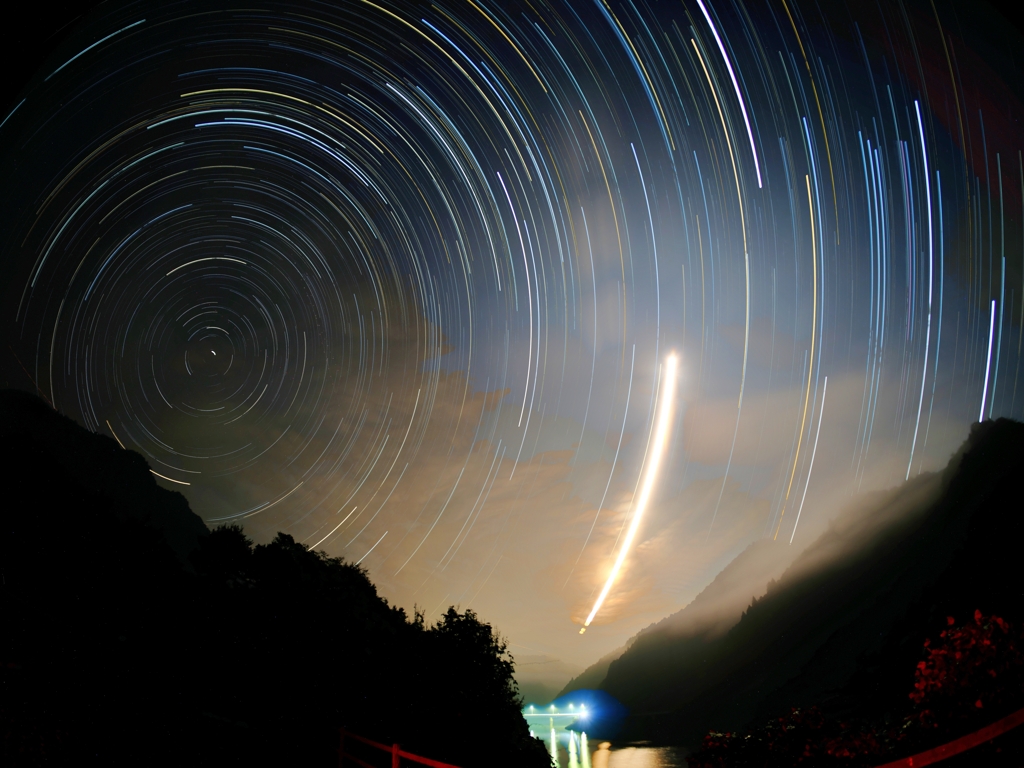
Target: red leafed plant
969 675
970 668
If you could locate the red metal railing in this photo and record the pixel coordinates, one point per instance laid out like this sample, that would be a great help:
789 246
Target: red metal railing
396 752
955 747
919 760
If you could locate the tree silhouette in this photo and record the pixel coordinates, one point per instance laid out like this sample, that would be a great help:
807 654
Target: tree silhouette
119 646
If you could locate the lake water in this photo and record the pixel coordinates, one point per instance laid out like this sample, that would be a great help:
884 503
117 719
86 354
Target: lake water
637 757
572 750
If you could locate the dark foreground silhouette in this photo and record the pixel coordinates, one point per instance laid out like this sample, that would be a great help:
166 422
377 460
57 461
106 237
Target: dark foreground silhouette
843 629
964 706
131 635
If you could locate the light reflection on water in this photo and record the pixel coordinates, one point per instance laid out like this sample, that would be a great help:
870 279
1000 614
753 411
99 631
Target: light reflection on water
638 757
573 751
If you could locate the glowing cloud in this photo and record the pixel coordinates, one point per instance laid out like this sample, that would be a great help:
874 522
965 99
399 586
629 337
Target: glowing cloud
656 453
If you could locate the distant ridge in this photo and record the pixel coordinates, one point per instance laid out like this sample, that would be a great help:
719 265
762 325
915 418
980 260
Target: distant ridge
715 610
845 622
594 675
96 464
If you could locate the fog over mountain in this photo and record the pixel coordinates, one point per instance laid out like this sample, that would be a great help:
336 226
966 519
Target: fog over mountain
845 621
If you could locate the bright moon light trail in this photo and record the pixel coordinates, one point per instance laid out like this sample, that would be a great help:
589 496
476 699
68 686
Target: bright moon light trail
665 410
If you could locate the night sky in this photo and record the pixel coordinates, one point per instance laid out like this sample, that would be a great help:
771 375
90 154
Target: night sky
402 279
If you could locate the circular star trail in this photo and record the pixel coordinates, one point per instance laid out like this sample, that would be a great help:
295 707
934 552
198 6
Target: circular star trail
399 279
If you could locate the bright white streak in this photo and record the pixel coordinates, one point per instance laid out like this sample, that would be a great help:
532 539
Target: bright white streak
668 388
931 265
821 415
325 538
371 548
208 258
736 87
115 436
529 296
169 479
988 361
89 48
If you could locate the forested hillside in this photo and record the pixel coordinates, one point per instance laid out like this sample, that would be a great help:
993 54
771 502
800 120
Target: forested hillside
132 635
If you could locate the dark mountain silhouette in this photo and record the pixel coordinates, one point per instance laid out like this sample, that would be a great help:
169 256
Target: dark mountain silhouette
844 625
96 466
132 635
594 675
